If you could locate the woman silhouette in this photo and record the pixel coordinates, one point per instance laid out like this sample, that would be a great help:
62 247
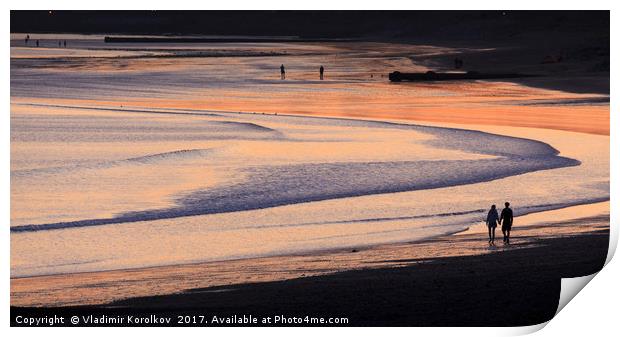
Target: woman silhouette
492 218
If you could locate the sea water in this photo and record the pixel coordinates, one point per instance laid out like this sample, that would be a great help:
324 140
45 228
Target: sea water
136 155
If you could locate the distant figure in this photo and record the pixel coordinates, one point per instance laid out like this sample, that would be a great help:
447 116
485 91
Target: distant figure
282 72
37 43
64 43
492 219
506 220
321 70
27 38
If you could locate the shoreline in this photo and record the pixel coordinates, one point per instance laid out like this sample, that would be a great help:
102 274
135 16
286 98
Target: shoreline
397 288
468 243
593 209
135 282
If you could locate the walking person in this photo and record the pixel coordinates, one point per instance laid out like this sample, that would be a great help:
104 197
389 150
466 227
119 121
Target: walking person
506 221
282 72
321 70
492 218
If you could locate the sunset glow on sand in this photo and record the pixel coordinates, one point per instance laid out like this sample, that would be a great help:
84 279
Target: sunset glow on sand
151 167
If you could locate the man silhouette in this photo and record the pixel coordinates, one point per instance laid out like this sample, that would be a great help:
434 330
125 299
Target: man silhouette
321 70
506 220
282 72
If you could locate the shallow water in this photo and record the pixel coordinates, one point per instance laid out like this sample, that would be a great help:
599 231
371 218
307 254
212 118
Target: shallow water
140 161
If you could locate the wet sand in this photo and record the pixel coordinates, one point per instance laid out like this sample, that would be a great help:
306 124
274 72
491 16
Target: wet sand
107 286
454 280
515 286
547 109
572 95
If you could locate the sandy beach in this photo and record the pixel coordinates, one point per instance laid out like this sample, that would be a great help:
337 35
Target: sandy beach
396 282
183 188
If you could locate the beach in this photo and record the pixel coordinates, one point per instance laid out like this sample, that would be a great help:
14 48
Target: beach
222 199
398 284
328 279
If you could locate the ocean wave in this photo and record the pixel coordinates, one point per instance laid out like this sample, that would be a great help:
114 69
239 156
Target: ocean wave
277 185
271 186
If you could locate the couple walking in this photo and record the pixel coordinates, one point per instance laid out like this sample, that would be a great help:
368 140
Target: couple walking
505 219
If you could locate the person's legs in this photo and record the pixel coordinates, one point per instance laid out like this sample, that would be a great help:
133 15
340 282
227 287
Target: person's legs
508 235
504 233
493 235
489 234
